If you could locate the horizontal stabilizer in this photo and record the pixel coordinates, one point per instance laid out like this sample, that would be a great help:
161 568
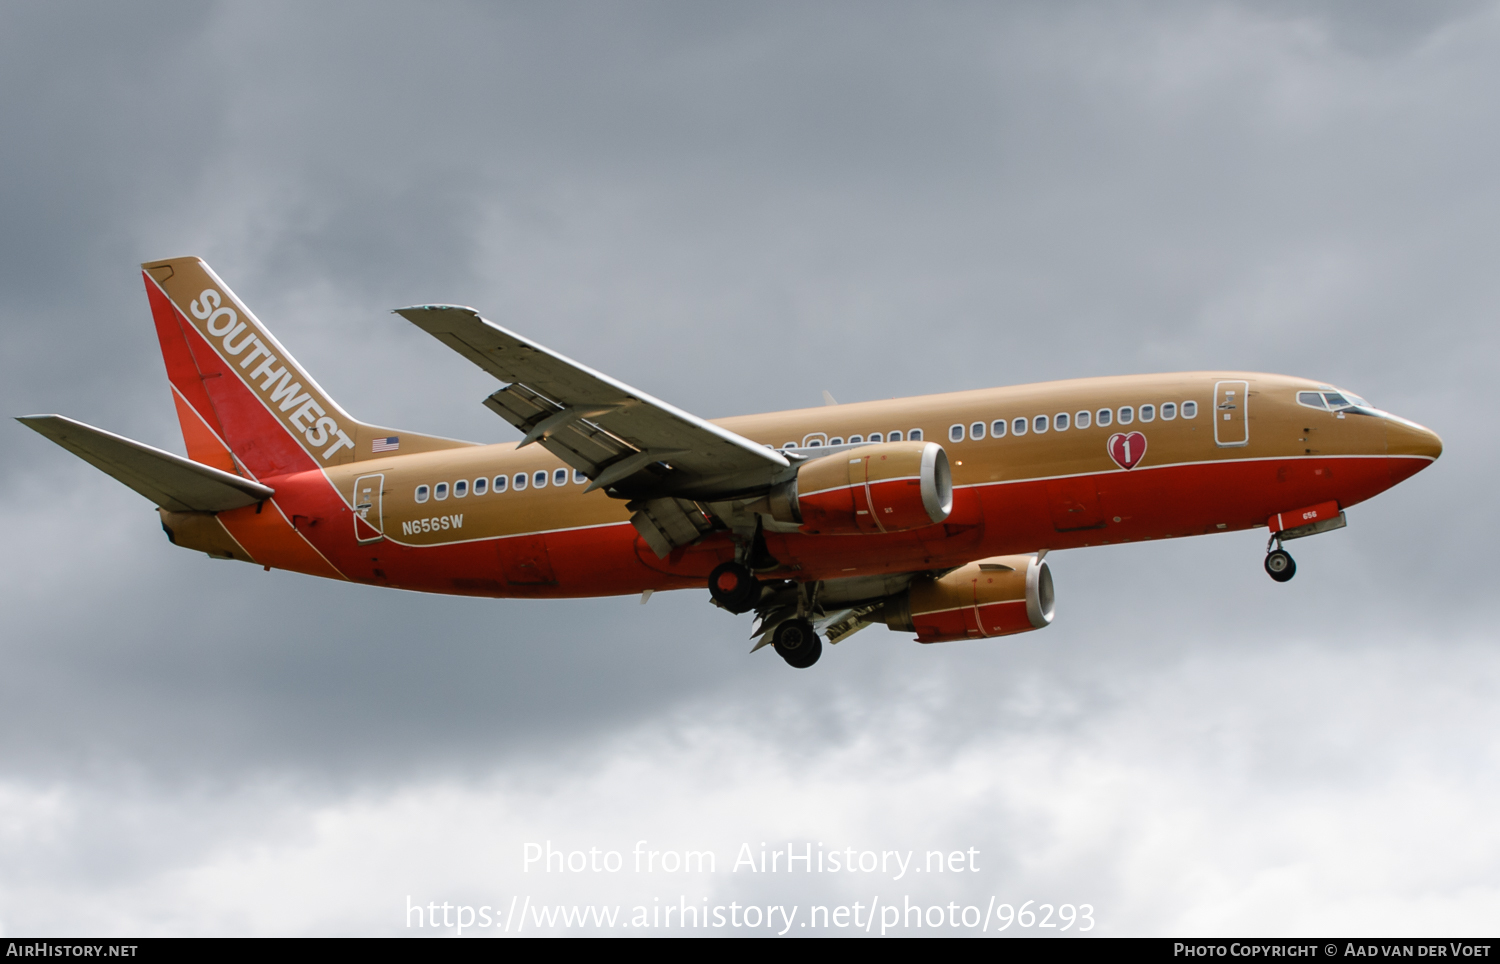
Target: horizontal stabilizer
171 481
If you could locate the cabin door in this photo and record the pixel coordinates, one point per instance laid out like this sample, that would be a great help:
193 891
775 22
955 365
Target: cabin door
1231 414
369 519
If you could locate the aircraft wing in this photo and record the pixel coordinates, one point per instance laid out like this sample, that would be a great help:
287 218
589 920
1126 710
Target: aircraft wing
618 436
170 481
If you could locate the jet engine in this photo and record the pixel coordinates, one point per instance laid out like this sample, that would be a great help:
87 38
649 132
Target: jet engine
991 597
886 487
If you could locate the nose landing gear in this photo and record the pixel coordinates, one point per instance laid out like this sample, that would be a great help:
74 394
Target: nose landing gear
1279 563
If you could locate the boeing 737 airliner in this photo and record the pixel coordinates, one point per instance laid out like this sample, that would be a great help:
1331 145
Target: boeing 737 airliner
931 515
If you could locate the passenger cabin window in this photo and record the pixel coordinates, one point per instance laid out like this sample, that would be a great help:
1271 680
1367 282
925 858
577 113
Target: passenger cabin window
1148 413
422 493
460 488
1104 416
790 445
997 428
976 431
519 481
1081 419
875 437
440 491
893 437
955 433
856 439
836 440
480 485
559 476
539 479
1127 414
1189 409
579 478
1039 424
915 435
1018 426
500 482
1060 421
1168 411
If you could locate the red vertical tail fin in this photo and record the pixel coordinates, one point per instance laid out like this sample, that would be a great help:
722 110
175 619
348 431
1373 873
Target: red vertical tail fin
247 407
244 403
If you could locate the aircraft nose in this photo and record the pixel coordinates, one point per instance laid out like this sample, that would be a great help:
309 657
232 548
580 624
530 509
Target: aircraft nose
1410 439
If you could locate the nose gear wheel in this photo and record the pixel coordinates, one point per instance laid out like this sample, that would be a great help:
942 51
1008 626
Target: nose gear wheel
1279 563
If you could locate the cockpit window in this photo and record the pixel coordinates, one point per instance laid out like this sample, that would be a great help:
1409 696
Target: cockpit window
1338 400
1332 401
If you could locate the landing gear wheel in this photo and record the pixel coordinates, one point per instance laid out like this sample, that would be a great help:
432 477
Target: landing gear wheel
798 643
1279 565
734 587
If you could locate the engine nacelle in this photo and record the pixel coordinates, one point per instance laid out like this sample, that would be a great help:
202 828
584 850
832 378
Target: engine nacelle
886 487
991 597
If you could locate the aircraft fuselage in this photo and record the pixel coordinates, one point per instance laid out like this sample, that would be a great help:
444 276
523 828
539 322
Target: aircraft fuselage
1248 450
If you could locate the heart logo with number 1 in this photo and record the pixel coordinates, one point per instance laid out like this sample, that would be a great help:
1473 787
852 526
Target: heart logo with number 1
1127 450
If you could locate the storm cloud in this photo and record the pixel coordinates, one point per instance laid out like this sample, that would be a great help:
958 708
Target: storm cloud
735 208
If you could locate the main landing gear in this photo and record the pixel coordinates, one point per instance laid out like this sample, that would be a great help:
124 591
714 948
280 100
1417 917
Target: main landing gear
798 643
1279 563
734 587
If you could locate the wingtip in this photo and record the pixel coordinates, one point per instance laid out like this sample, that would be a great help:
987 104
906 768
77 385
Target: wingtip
424 315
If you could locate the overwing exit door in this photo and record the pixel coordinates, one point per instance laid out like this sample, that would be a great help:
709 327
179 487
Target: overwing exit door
369 520
1231 414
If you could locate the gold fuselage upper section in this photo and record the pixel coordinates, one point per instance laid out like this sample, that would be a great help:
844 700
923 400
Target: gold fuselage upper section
1263 420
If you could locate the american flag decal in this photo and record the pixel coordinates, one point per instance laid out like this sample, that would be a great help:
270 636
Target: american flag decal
390 444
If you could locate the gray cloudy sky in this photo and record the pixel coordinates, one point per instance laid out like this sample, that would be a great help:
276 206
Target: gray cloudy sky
735 207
